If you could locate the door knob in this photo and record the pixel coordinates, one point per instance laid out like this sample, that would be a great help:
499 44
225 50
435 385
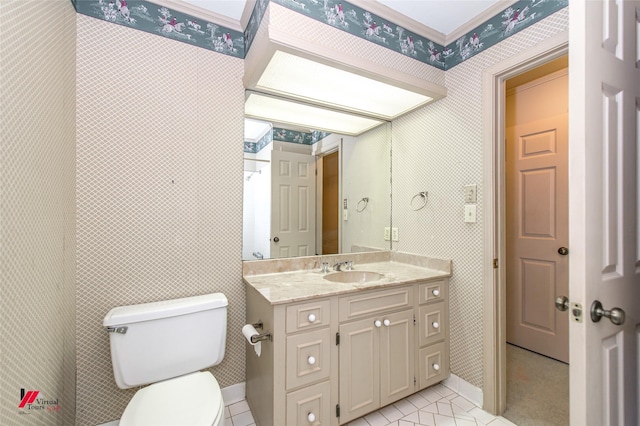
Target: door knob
616 315
562 303
563 251
276 239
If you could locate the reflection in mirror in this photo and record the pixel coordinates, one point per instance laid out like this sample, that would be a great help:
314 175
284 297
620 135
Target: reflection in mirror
308 192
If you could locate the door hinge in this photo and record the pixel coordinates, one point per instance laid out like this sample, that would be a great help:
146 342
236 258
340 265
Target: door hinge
495 263
414 319
337 339
337 410
415 381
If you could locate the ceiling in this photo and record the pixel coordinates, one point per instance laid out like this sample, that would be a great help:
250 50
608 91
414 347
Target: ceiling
444 16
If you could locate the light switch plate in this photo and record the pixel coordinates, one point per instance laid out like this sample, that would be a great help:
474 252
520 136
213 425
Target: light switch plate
394 234
470 213
471 194
387 233
345 214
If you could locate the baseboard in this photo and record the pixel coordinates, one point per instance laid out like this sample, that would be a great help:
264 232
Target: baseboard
230 395
464 389
234 393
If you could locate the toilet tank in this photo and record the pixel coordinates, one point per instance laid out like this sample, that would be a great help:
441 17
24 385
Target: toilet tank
156 341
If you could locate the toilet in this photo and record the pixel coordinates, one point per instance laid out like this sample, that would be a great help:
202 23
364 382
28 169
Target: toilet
165 345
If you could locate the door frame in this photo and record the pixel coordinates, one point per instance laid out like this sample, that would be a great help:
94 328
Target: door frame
494 362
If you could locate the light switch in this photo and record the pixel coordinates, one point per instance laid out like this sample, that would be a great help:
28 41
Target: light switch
470 213
387 233
345 214
394 234
471 194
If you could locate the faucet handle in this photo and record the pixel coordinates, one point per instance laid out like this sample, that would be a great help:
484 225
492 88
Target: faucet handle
325 267
349 265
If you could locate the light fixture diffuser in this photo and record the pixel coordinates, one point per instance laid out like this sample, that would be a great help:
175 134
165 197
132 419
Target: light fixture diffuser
291 112
297 77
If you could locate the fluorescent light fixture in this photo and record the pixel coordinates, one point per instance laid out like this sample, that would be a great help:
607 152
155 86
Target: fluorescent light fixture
300 78
286 111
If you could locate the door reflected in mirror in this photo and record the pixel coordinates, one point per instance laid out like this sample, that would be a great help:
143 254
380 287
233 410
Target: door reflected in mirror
308 192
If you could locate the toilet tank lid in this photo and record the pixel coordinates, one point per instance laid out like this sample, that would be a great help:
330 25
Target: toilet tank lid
163 309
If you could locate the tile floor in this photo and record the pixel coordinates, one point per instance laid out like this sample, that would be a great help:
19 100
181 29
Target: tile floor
435 406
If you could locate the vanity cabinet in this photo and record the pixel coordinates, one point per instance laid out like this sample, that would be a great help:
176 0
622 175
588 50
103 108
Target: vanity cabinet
377 358
337 358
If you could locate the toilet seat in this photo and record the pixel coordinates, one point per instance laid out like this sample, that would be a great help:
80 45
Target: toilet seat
193 400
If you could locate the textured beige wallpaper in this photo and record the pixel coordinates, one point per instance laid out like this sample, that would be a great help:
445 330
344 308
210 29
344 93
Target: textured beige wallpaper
159 191
37 211
439 149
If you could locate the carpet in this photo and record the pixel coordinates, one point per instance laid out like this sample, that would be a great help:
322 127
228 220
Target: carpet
537 389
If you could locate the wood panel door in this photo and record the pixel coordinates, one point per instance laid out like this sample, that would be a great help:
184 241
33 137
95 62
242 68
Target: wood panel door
537 217
293 204
604 231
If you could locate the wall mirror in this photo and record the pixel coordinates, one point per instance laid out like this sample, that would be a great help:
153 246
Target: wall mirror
310 191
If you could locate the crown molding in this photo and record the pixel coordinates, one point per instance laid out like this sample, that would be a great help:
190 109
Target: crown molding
397 18
246 13
200 13
478 20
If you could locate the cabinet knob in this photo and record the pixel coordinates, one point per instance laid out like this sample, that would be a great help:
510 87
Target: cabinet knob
311 318
435 324
377 323
311 360
435 292
386 323
311 417
436 366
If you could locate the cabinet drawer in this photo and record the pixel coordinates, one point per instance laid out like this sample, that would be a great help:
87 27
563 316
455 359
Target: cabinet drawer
310 406
371 303
432 291
308 315
433 323
308 358
434 365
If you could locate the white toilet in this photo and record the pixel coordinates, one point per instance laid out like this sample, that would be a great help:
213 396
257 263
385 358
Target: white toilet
167 343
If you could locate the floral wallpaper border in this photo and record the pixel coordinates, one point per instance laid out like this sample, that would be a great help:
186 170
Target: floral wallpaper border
285 135
149 17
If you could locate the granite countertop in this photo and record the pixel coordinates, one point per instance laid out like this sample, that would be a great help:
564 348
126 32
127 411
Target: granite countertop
293 280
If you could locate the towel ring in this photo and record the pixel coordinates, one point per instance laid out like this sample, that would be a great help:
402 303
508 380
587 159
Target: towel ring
422 194
364 201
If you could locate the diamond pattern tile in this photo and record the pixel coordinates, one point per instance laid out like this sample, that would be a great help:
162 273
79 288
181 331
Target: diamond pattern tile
159 191
439 149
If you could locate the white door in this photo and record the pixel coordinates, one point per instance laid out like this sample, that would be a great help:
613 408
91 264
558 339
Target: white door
293 204
604 233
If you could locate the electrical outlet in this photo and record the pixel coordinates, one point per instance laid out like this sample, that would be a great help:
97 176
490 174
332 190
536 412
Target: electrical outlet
387 233
394 234
470 194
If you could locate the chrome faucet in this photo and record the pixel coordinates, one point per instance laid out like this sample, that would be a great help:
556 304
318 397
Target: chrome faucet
347 263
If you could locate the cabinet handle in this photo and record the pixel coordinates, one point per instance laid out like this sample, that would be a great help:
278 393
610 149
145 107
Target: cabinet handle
311 318
436 366
377 323
386 323
311 417
435 324
435 292
311 360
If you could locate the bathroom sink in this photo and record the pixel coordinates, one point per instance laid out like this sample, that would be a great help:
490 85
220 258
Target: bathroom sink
353 276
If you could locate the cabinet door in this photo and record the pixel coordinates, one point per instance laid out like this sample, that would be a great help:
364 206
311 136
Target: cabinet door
397 357
359 369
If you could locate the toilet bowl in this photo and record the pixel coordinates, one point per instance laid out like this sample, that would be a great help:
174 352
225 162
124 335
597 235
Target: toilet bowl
194 399
165 345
